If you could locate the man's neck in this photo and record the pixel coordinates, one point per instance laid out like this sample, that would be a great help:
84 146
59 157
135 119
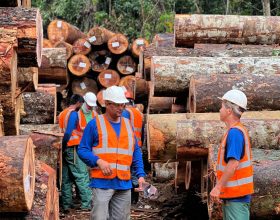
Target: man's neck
112 119
231 122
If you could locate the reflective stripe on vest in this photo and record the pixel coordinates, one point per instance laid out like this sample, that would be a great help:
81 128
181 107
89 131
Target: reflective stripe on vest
119 156
82 119
136 119
242 181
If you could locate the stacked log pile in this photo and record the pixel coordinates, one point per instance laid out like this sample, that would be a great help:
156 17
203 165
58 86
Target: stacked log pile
218 53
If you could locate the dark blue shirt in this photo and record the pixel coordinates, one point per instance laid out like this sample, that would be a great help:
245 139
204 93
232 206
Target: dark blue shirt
71 125
235 150
90 139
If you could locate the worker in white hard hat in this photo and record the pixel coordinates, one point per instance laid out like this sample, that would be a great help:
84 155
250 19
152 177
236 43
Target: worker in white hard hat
110 148
234 185
72 165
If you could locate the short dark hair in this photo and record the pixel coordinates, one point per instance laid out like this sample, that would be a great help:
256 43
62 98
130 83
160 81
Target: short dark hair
76 98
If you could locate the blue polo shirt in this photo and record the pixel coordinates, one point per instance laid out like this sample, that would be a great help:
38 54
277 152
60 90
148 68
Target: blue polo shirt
235 150
89 140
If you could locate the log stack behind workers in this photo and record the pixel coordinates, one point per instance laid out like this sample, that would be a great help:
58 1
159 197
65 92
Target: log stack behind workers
110 148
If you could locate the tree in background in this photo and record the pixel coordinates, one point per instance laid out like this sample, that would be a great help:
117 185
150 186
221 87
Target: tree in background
144 18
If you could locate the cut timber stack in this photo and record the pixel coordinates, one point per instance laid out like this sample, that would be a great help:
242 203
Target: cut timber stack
191 29
28 79
54 66
28 24
17 177
1 122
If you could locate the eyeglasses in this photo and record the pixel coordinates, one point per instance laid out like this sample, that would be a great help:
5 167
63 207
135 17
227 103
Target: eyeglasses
117 105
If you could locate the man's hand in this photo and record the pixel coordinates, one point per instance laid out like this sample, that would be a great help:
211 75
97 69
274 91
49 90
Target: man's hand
105 167
141 181
215 194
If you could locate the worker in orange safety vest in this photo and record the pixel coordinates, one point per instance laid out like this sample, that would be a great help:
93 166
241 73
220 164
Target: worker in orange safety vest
234 185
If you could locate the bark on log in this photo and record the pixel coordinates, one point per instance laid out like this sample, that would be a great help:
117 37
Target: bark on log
10 3
39 108
81 46
100 60
141 88
162 128
28 78
263 92
191 29
171 75
63 44
109 78
79 65
1 121
47 43
126 65
164 40
28 23
62 31
129 83
17 178
159 105
55 75
84 85
99 35
118 44
138 45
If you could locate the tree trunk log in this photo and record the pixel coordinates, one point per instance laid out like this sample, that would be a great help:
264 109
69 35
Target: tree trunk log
62 31
141 88
129 83
164 40
10 3
26 3
109 78
100 99
178 108
99 35
126 65
28 23
28 78
159 105
81 46
100 60
55 75
69 48
17 178
191 29
1 121
162 128
47 43
138 45
79 65
171 75
84 85
263 92
118 44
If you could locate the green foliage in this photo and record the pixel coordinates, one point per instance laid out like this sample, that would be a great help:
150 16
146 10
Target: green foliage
140 18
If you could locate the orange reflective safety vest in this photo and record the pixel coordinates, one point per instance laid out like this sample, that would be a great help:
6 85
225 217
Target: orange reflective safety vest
241 183
63 121
82 119
118 152
136 119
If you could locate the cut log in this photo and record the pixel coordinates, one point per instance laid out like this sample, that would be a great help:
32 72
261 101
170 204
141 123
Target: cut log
39 108
26 3
1 121
81 46
46 198
54 75
10 3
28 23
69 48
79 65
162 128
178 108
100 60
171 75
129 83
138 45
109 78
118 44
191 29
100 99
164 40
17 177
47 43
84 85
262 91
59 30
28 78
141 88
99 35
126 65
159 105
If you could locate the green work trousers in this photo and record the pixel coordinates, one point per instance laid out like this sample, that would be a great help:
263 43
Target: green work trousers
72 165
236 211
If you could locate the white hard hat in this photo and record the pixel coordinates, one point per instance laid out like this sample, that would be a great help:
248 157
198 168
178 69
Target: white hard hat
90 99
236 97
115 94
